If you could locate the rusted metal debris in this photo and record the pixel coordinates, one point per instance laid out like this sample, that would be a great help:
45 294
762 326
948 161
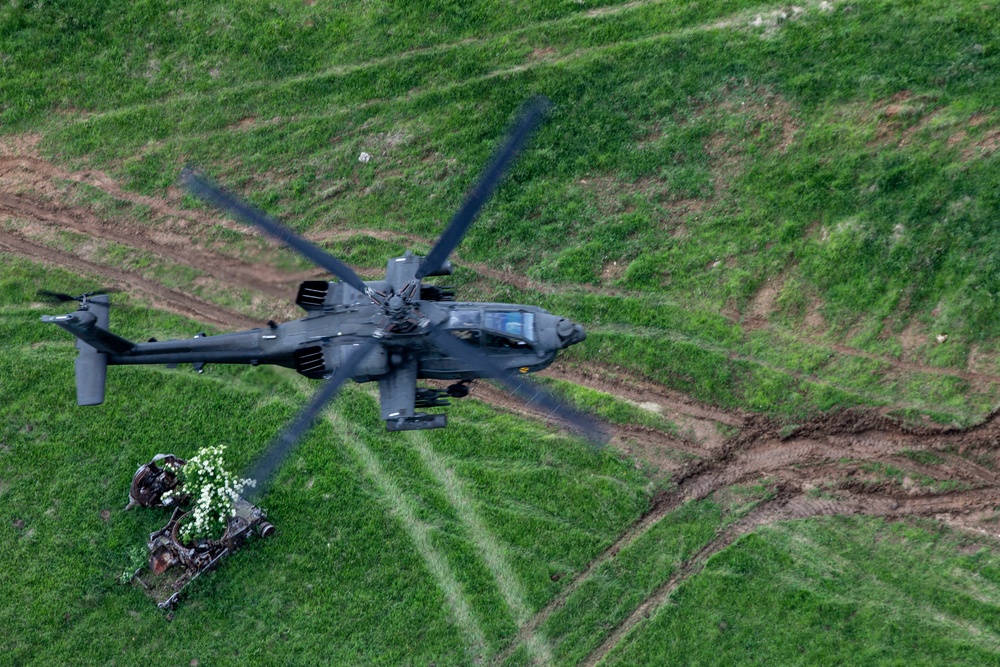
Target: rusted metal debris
151 481
174 564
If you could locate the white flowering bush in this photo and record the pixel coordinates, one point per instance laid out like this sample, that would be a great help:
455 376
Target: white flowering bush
212 490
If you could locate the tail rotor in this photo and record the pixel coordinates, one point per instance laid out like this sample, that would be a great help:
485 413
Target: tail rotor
82 299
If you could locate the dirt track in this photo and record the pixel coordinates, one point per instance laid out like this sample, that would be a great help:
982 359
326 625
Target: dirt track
852 462
702 456
837 464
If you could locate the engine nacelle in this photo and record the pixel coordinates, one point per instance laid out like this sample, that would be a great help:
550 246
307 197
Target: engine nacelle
320 361
321 295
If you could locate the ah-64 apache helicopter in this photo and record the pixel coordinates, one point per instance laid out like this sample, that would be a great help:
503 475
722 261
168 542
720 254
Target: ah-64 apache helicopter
394 331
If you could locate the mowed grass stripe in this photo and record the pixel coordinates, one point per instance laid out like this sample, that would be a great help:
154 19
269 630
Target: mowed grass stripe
491 551
725 533
526 34
530 628
419 533
829 590
259 103
618 582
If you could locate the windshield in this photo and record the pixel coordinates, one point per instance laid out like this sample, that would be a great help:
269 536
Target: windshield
515 323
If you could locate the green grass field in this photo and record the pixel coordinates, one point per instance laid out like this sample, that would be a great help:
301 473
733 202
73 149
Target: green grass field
766 208
831 591
380 530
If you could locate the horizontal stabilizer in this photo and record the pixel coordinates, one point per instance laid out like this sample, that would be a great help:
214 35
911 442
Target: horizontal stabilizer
94 342
91 372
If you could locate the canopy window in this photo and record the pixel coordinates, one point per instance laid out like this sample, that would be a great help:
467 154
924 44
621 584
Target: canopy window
514 323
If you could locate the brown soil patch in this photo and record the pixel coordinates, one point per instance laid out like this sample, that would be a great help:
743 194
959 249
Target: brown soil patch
814 320
613 271
984 147
37 197
900 118
543 53
766 108
245 124
614 9
163 242
913 337
981 362
978 119
610 193
905 116
763 304
21 168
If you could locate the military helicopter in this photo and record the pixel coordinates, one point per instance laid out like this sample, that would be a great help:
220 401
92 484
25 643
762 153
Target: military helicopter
394 331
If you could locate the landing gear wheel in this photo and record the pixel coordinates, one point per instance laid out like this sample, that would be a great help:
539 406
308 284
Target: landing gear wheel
459 389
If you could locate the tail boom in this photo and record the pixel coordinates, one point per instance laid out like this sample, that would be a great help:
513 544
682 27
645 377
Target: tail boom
99 348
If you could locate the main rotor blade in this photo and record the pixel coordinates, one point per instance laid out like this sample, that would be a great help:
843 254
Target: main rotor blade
519 384
202 187
531 114
285 442
55 296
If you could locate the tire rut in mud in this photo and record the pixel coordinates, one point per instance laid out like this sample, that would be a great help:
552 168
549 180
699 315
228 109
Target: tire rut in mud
172 246
663 504
819 470
790 506
160 296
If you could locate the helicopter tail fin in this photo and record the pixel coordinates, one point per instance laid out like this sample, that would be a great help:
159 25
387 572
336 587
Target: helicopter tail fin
94 342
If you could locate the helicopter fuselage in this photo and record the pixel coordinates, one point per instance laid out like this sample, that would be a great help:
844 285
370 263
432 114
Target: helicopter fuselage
514 336
339 318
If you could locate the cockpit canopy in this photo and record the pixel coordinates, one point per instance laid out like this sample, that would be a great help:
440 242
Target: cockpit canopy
503 329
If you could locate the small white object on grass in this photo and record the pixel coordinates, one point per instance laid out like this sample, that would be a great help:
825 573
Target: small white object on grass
364 157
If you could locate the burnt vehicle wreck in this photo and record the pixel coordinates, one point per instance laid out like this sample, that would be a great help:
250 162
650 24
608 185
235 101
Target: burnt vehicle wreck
174 563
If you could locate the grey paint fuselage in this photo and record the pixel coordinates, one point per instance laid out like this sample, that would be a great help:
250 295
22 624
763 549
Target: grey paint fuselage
335 332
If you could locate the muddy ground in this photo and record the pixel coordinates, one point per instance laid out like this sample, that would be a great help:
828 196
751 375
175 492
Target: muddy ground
852 462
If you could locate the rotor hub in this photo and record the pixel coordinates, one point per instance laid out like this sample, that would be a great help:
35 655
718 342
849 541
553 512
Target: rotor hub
395 304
